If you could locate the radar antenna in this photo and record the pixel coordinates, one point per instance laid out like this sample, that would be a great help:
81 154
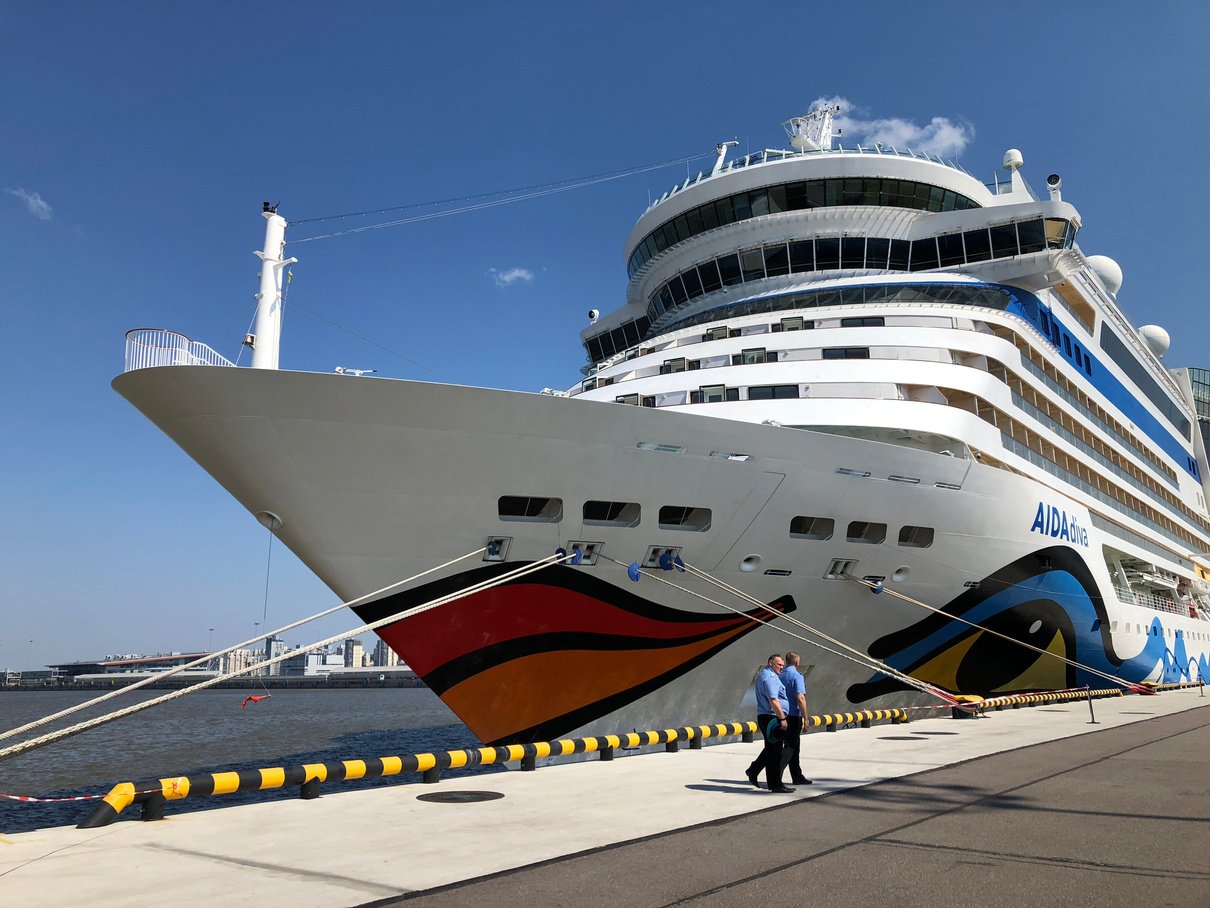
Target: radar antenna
813 130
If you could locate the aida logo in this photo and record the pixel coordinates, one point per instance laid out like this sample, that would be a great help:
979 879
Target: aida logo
1058 524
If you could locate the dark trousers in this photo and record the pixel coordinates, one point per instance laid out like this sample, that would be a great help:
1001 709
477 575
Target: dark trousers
790 750
770 757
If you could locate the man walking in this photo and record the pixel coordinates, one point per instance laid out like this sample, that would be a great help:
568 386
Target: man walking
772 720
796 692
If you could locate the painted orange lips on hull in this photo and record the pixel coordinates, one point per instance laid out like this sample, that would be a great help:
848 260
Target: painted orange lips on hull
532 661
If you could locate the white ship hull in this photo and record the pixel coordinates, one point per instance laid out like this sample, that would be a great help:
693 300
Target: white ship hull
376 480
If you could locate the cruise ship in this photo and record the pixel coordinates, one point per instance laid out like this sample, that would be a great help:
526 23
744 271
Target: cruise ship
837 371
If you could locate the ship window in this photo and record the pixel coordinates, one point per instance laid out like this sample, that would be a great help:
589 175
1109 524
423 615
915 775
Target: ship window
777 260
632 399
936 198
1031 235
773 392
865 321
866 533
753 356
743 210
978 245
693 283
1067 345
611 513
718 332
678 290
950 201
827 253
753 264
900 253
846 353
712 394
1058 233
916 537
728 265
529 509
796 196
672 366
812 527
677 517
924 254
710 277
681 225
949 247
876 251
794 323
694 216
758 201
777 199
802 256
852 252
1004 240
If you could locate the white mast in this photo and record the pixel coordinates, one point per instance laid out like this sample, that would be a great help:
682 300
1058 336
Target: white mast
266 340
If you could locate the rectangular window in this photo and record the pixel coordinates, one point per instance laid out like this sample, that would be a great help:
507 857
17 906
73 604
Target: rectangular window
753 264
773 392
728 266
1032 236
846 353
1004 240
678 517
718 332
611 513
672 366
710 276
802 256
739 202
694 216
724 210
530 509
793 323
865 532
796 196
864 321
1067 345
777 260
876 251
677 289
949 248
709 215
1056 233
777 199
978 245
753 356
812 527
916 537
681 225
758 201
713 394
924 254
817 193
693 283
852 252
827 253
631 399
901 251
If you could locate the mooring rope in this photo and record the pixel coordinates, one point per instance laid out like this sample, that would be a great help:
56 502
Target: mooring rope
1129 685
864 661
211 682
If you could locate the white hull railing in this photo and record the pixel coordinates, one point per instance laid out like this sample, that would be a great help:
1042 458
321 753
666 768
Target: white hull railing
149 347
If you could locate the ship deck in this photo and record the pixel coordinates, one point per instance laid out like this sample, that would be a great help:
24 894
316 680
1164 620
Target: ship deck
1037 802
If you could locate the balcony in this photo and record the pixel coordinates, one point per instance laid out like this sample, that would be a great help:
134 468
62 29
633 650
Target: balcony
150 347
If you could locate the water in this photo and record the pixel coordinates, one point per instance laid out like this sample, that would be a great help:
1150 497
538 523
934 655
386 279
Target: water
209 732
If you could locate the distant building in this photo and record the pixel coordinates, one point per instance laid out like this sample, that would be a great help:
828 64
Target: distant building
274 647
353 653
384 656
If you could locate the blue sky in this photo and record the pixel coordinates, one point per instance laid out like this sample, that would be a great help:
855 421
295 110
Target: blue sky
137 141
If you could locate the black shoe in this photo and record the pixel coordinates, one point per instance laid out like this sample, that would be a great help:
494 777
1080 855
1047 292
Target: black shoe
782 789
753 777
801 781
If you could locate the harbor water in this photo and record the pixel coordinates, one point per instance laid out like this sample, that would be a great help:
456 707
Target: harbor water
211 731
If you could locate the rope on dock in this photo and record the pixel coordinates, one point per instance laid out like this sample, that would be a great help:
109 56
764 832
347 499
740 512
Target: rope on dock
71 730
161 676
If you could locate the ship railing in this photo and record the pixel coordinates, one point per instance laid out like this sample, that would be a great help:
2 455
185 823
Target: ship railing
1151 601
150 347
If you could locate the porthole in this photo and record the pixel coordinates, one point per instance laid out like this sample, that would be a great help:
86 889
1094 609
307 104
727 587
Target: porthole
916 537
812 527
901 573
867 533
678 517
750 564
530 509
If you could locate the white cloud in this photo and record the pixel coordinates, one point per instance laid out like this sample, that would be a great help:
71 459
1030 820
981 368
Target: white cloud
34 203
940 136
511 276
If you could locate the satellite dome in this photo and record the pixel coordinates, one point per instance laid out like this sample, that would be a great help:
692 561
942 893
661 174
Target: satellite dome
1013 159
1156 339
1109 271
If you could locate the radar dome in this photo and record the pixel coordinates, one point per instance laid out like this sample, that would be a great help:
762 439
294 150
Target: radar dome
1156 339
1109 271
1013 159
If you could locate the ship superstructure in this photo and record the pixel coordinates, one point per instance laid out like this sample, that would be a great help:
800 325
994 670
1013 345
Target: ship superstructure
832 364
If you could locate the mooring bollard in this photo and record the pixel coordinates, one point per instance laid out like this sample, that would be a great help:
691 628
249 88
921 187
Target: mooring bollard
153 806
529 762
607 753
432 775
309 790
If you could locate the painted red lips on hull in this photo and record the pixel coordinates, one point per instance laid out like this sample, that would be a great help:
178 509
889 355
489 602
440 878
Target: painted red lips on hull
537 657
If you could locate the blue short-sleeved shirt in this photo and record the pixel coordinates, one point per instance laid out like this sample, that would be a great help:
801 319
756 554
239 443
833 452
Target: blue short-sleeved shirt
768 688
794 684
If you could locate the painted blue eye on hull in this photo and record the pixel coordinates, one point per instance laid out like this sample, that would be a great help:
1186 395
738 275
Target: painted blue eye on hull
1033 600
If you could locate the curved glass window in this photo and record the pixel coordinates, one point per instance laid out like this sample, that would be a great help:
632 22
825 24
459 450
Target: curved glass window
796 196
857 253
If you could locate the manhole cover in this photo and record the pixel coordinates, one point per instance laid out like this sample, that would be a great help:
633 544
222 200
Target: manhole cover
459 797
901 738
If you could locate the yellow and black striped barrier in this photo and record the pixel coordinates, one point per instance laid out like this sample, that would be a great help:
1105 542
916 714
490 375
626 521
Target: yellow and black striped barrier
1016 701
1171 685
308 776
836 721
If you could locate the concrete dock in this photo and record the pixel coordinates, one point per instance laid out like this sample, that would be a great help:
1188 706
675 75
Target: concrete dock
1031 806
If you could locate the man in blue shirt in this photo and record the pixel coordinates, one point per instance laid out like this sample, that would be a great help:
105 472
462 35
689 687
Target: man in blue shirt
771 719
796 692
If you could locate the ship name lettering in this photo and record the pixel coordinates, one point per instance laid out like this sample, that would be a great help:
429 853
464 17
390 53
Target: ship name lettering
1058 524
